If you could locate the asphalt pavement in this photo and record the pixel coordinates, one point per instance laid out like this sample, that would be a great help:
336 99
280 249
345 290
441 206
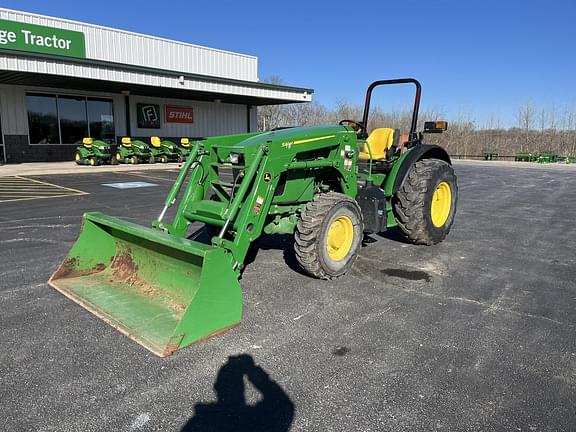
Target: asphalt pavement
474 334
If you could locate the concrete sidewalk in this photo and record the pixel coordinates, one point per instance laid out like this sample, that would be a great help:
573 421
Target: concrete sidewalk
50 168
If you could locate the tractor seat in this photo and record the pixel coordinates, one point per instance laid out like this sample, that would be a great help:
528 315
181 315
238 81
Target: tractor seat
127 142
155 141
378 143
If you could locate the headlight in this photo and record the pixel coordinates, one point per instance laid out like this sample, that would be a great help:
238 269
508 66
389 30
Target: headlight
234 158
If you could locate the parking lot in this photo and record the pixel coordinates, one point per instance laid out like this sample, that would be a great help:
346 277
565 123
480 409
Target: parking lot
476 333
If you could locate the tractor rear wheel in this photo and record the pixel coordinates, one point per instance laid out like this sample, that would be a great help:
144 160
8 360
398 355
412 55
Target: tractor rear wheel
78 158
425 204
329 235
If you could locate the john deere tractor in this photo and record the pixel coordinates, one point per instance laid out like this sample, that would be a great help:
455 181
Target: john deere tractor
133 152
165 150
93 152
326 185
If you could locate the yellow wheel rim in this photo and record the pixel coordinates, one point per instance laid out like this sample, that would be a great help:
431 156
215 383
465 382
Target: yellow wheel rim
92 162
340 238
118 157
441 204
77 157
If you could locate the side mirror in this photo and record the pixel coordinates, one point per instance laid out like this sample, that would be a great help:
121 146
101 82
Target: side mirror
435 126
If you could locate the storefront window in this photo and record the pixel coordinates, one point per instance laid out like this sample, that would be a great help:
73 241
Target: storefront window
42 119
101 119
73 124
58 119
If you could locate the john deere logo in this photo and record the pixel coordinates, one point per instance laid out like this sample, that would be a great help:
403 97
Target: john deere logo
267 177
148 116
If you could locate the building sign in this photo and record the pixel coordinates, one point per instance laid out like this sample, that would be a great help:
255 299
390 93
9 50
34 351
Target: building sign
179 114
20 36
148 116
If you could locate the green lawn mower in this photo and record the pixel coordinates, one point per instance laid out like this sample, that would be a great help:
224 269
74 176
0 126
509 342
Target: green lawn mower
93 152
133 152
165 151
166 287
184 148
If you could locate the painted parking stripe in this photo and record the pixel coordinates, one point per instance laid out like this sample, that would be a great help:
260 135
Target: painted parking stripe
18 188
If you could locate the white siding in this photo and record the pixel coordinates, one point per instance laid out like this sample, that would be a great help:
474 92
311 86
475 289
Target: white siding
60 67
13 113
120 46
209 118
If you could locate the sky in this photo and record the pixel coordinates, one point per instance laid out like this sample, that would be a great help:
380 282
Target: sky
476 59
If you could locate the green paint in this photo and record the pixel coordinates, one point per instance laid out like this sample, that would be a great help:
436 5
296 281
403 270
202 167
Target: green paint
20 36
174 291
154 287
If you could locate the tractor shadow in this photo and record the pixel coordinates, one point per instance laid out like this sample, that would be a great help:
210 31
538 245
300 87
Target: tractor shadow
283 242
393 234
274 412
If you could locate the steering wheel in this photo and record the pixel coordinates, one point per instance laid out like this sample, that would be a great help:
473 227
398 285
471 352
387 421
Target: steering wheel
358 126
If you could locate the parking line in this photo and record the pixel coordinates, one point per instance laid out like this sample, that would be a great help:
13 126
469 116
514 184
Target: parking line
58 186
18 188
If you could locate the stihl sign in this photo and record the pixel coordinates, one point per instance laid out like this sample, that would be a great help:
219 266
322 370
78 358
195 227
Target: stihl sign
179 114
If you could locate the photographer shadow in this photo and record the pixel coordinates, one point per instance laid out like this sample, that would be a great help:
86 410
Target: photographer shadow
273 413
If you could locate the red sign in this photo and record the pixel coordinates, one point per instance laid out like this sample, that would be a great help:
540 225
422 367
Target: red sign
179 114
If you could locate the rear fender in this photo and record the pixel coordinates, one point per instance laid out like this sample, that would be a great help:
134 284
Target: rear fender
407 160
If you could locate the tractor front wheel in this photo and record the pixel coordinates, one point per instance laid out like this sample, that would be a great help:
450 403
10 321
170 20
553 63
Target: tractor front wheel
329 235
425 204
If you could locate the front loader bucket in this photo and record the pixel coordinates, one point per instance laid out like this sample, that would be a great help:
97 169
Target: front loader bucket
162 291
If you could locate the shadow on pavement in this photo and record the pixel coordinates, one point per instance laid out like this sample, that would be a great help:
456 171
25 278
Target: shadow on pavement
273 413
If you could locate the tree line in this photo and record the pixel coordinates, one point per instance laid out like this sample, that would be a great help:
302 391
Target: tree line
536 130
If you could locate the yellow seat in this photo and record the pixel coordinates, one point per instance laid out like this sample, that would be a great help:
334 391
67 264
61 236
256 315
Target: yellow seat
378 143
87 142
155 141
127 142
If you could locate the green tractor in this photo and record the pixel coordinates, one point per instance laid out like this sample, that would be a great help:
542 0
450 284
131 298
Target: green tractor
326 185
133 152
93 152
165 151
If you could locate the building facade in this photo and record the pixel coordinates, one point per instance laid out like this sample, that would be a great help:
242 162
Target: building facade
62 80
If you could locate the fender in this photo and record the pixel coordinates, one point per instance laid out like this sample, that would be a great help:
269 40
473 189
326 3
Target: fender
401 168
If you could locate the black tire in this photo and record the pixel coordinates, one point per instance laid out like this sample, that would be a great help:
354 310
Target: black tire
92 161
413 202
151 159
164 159
180 158
78 159
113 160
311 235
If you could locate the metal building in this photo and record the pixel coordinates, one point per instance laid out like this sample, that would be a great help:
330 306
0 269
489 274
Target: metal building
62 80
